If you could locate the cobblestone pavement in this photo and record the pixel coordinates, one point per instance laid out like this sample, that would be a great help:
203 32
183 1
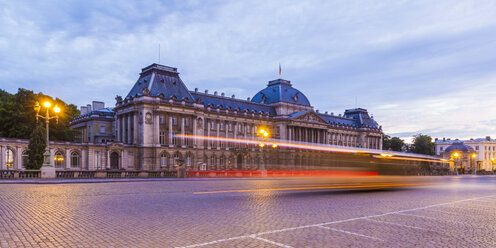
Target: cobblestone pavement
457 212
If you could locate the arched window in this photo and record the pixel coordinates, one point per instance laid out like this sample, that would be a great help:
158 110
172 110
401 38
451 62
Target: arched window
164 157
25 157
188 160
9 158
75 160
222 162
213 162
58 159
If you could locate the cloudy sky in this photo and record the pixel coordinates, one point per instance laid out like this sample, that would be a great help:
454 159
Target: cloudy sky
418 66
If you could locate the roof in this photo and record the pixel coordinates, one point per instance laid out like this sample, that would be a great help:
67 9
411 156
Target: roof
243 105
332 119
160 80
458 146
361 116
280 90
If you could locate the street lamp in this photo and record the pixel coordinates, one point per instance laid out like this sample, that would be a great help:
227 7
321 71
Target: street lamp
474 164
9 161
492 166
456 155
47 160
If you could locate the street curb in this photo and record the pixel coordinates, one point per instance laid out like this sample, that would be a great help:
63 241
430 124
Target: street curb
72 181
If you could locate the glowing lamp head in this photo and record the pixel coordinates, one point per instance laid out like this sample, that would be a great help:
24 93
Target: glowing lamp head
56 109
265 134
274 146
47 104
262 131
473 155
456 154
261 145
492 159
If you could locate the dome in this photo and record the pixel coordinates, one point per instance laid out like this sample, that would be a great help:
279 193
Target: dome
280 90
458 146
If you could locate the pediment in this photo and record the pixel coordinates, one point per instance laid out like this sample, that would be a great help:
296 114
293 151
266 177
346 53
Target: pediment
311 117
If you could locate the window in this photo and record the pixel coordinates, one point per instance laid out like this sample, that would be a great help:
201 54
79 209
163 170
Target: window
186 122
230 126
58 159
441 148
163 159
477 148
248 129
174 141
25 159
221 126
212 125
9 158
240 128
174 120
162 138
162 119
102 129
74 160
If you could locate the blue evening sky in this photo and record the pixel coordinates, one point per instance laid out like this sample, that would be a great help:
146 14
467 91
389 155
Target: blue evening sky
417 66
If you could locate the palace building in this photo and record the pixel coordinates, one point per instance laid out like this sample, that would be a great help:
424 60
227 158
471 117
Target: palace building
144 130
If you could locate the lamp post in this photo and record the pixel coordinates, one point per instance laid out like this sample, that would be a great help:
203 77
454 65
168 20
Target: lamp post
492 166
47 160
456 155
474 163
263 134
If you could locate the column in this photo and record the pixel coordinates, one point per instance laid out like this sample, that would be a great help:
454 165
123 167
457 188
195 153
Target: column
129 134
194 131
156 128
183 144
170 131
217 135
209 145
117 127
107 160
289 133
135 139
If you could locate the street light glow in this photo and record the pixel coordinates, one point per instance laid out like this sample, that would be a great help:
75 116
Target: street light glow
47 104
262 131
473 155
262 145
274 146
266 134
56 109
456 154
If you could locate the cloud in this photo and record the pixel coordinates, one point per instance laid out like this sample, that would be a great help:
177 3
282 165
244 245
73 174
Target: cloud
416 65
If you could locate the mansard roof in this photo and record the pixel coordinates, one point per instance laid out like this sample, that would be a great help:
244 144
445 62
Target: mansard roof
243 105
362 117
338 120
160 80
280 90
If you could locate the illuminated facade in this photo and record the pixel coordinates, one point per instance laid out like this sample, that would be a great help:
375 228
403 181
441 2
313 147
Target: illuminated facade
484 149
143 131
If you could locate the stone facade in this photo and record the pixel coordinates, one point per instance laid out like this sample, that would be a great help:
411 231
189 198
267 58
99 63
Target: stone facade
142 131
484 149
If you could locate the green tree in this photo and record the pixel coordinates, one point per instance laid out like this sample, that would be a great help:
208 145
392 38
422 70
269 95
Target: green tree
17 115
423 144
397 144
386 142
36 148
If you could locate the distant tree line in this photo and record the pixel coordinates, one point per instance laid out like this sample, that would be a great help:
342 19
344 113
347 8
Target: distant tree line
422 144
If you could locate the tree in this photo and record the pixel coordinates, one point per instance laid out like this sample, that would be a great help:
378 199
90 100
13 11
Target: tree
36 148
423 144
386 142
17 115
397 144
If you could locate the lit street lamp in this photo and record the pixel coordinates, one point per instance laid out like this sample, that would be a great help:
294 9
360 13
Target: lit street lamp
9 161
474 164
47 160
456 155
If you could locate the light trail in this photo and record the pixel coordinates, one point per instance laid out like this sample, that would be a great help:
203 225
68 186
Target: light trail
306 188
320 147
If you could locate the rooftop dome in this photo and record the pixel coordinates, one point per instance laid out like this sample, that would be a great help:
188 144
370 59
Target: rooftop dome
280 90
459 147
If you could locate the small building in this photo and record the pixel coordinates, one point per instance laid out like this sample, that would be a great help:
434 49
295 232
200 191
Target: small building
483 148
462 158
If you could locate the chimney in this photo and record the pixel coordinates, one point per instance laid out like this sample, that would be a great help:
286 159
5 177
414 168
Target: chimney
206 91
317 110
233 96
222 94
326 112
444 139
435 139
248 99
196 89
98 105
488 137
215 93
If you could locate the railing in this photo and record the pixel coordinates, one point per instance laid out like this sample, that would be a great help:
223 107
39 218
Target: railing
19 174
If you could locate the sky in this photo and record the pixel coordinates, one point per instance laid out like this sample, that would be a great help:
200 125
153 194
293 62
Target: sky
417 66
